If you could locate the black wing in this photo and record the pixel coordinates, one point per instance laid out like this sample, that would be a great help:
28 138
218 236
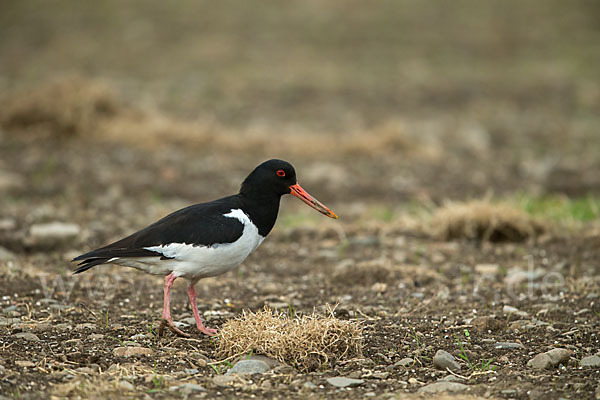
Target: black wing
198 225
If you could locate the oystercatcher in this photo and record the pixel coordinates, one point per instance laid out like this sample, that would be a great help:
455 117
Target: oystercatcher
206 239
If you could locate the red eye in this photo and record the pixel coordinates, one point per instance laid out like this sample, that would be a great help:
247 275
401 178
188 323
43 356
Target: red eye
280 172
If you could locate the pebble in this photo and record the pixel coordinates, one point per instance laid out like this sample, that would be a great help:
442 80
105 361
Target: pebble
442 360
452 378
549 359
96 336
342 382
223 380
87 325
187 388
508 345
27 336
24 363
191 371
6 255
443 386
131 351
51 233
514 311
2 369
309 385
405 362
126 386
248 367
590 361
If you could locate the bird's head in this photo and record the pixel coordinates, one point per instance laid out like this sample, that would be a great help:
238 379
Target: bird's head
278 177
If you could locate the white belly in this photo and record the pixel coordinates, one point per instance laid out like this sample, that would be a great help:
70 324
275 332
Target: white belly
195 262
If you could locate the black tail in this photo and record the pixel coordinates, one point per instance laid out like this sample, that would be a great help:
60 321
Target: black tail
89 263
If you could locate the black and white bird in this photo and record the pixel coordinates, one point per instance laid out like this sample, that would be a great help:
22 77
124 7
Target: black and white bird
206 239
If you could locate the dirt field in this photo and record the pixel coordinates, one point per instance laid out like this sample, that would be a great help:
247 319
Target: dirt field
457 141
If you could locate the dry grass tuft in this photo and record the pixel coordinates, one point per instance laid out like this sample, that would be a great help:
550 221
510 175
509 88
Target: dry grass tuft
307 342
483 220
66 107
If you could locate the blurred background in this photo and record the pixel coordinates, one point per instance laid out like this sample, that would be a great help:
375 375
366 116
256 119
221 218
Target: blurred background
106 104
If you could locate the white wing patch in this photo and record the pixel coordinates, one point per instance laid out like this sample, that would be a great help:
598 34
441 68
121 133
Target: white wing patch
202 261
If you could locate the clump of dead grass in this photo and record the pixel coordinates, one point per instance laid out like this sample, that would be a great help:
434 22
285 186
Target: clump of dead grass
307 342
483 220
64 107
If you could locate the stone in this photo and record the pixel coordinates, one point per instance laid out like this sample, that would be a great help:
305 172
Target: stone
27 336
442 360
124 385
342 382
590 361
309 385
24 363
96 336
131 351
223 380
443 386
559 356
51 233
191 371
187 388
508 345
6 255
248 367
405 362
87 325
514 311
549 359
484 324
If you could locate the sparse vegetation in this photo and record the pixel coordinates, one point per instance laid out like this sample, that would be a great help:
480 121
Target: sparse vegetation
308 342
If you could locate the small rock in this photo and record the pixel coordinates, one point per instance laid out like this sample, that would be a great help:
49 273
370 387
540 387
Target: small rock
413 381
487 269
442 360
514 311
309 385
405 362
509 392
342 382
24 363
590 361
191 371
549 359
452 378
380 375
96 336
249 367
2 369
223 380
131 351
508 345
443 386
87 325
187 388
126 386
50 234
484 324
6 255
27 336
139 336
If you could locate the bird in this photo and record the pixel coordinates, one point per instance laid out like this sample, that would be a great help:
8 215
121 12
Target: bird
206 239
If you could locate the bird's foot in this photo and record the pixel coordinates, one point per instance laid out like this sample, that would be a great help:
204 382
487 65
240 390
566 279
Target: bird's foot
172 327
207 331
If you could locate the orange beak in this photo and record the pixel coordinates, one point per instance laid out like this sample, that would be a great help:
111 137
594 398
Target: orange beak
303 195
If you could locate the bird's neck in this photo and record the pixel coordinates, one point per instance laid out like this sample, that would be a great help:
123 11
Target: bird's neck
262 210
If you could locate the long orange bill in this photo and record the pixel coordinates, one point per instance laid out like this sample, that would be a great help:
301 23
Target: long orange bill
303 195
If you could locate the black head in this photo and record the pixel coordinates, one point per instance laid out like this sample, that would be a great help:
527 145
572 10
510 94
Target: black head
273 177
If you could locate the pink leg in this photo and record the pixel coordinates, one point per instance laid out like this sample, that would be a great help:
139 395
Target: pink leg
167 320
192 296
